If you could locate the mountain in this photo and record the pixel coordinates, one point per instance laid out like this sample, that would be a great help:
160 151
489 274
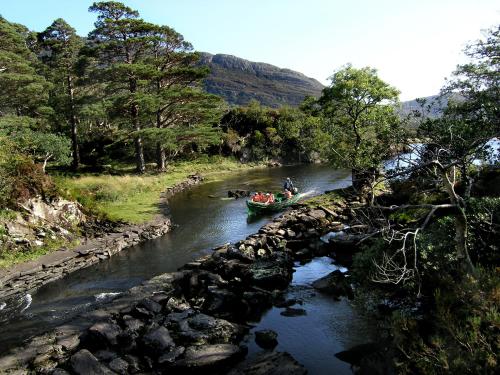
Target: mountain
434 105
239 81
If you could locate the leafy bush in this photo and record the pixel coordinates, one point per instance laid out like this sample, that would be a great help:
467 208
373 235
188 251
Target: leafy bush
483 215
460 334
20 177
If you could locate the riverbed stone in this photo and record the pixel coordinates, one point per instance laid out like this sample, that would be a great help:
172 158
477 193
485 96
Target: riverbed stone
68 342
60 371
105 355
177 305
271 274
105 331
266 339
133 363
84 363
270 363
335 283
209 358
303 254
119 365
170 357
204 329
132 324
158 340
151 305
290 312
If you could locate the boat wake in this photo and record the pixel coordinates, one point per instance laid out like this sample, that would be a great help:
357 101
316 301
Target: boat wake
308 193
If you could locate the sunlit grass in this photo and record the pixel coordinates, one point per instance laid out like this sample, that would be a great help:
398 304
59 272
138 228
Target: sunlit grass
10 258
135 199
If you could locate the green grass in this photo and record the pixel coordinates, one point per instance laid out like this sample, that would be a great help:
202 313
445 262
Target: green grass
9 258
324 200
134 198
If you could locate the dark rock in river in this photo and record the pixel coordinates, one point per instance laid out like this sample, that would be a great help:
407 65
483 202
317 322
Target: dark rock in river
335 283
238 193
272 274
266 339
290 311
345 246
270 363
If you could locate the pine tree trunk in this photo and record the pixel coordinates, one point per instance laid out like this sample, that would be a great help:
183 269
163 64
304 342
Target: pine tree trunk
74 125
161 158
134 113
139 149
160 150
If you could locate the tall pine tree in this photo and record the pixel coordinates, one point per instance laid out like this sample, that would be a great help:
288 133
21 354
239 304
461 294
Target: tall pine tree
122 41
22 90
60 47
183 112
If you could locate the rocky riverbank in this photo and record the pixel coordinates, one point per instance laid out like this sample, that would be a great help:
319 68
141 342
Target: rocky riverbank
29 276
193 320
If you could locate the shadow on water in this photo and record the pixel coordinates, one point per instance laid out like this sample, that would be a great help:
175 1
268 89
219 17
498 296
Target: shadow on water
202 222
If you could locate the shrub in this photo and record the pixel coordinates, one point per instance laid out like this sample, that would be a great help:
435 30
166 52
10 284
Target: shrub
20 177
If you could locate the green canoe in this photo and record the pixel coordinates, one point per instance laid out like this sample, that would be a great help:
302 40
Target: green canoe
280 204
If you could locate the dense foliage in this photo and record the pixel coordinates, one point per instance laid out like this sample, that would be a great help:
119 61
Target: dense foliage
286 134
437 257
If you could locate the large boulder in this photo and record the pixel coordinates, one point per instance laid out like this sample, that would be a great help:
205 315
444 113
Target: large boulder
211 359
271 273
84 363
158 340
204 329
105 332
335 283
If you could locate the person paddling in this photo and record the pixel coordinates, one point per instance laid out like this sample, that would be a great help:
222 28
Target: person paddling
288 186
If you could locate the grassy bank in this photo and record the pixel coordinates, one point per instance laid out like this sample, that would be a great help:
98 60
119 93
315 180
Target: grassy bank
10 258
132 198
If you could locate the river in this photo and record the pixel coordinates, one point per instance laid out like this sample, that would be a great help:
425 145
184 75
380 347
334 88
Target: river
205 218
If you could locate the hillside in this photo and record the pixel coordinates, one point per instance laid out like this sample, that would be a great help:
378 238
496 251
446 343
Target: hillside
239 81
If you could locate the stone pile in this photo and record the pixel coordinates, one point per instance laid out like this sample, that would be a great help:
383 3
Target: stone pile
191 321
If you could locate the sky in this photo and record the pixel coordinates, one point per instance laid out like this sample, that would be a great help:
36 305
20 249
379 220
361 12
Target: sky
414 45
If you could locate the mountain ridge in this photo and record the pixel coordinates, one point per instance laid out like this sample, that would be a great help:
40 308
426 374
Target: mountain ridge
240 81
